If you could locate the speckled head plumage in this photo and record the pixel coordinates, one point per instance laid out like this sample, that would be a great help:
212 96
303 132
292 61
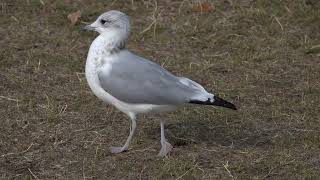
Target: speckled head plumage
110 20
114 27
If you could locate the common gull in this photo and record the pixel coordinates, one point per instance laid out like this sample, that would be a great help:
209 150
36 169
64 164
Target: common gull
134 84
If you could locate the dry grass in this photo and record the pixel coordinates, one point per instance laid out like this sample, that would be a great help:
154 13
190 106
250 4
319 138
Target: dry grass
250 52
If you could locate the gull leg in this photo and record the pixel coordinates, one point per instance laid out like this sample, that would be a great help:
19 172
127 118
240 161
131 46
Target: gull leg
126 145
166 146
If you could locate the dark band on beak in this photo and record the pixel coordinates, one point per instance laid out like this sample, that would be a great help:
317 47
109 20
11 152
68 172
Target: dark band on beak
88 28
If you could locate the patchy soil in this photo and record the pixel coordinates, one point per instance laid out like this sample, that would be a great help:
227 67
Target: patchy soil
253 53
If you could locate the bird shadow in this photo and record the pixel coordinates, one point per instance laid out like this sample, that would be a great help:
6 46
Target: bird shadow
243 136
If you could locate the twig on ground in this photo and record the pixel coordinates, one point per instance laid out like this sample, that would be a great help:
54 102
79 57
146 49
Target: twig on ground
226 167
10 99
154 20
278 22
187 171
80 80
140 176
32 174
113 2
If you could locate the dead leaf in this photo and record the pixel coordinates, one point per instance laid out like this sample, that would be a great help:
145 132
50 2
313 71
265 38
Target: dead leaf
203 7
73 17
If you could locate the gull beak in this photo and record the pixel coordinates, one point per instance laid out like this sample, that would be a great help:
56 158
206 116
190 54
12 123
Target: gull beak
88 28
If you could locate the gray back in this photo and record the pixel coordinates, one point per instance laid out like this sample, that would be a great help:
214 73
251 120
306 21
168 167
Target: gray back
136 80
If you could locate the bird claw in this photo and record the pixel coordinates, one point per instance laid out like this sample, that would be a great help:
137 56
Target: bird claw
165 149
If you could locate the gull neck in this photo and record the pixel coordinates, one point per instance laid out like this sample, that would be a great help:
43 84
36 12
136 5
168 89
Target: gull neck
111 41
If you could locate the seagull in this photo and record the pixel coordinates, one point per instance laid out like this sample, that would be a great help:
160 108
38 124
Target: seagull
133 84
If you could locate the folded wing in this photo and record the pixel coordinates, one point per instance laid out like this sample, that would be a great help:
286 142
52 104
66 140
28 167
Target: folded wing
135 80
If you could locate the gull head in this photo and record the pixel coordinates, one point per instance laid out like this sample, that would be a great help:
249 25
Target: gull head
111 21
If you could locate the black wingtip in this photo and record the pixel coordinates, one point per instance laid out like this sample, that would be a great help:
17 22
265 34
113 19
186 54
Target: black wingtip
223 103
217 102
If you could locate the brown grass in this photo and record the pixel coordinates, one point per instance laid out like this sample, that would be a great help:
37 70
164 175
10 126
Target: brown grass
252 53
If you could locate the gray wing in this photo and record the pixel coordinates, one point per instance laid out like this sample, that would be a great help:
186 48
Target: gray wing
133 79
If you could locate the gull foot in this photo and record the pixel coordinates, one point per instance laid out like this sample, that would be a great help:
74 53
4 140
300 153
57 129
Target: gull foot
165 149
116 150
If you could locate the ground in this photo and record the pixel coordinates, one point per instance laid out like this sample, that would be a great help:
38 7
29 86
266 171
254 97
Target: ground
261 55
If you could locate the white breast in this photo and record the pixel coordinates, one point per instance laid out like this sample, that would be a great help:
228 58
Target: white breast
99 59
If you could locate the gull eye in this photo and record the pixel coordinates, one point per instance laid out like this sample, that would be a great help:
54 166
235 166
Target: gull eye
102 21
